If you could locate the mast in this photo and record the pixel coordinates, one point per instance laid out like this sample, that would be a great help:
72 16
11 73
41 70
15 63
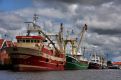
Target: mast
60 37
35 18
34 27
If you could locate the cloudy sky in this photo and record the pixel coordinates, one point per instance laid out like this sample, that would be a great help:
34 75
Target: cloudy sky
103 18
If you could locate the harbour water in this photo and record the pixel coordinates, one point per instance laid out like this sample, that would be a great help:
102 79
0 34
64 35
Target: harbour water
106 74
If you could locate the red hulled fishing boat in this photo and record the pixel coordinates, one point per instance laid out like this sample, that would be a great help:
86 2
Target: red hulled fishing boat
34 53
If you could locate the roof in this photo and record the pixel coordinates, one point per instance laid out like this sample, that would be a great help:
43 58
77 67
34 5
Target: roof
117 63
30 37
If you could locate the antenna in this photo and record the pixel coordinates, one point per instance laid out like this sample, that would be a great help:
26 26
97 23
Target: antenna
35 18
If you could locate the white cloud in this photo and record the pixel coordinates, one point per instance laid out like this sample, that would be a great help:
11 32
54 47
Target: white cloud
108 5
72 9
2 30
117 58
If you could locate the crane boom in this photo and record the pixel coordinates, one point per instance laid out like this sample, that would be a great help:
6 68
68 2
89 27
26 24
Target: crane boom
82 33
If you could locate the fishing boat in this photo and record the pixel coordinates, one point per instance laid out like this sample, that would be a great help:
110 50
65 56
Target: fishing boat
34 53
72 63
82 60
76 60
95 62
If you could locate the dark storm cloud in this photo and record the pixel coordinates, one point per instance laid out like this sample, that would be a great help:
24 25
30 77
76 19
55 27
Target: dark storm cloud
86 2
83 2
106 31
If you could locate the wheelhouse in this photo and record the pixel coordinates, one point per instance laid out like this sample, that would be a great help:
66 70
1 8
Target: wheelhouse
30 39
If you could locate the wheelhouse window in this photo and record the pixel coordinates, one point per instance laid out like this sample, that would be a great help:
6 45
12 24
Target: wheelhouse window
38 41
27 41
32 41
24 41
35 41
19 40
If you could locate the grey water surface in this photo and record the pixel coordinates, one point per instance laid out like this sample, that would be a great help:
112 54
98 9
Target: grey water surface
106 74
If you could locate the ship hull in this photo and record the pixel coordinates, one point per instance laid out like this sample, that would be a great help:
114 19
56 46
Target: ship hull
73 64
94 66
26 59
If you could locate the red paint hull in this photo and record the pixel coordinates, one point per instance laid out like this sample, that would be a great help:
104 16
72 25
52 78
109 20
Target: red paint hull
35 64
28 62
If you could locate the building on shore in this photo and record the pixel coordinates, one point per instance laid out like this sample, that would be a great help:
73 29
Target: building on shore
118 64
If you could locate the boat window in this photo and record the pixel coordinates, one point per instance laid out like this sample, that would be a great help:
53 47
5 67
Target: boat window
35 41
23 40
32 41
27 41
38 41
93 60
18 41
44 40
